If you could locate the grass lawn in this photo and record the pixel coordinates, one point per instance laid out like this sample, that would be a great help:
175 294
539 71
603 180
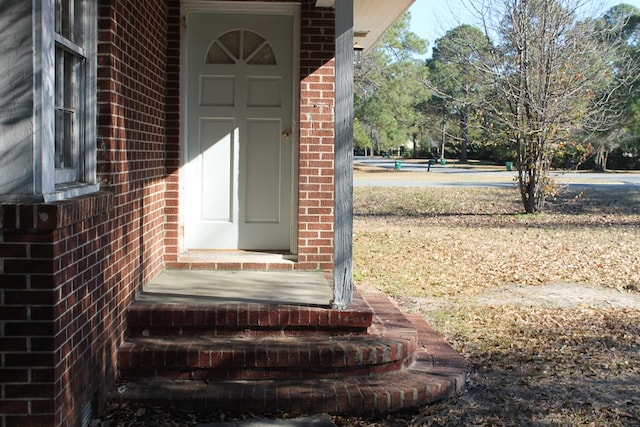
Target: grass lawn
545 308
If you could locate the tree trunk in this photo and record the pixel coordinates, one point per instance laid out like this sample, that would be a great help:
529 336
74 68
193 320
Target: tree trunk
464 133
415 145
532 169
444 135
532 191
600 159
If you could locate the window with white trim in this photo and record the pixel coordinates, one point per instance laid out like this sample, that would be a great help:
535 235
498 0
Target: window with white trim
65 112
70 88
49 89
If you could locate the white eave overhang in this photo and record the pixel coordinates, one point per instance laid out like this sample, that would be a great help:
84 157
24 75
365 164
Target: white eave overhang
372 17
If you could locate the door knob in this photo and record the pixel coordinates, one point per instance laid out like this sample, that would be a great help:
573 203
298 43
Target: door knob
286 133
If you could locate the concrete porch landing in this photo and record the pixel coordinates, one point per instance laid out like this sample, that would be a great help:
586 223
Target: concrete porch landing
218 286
268 342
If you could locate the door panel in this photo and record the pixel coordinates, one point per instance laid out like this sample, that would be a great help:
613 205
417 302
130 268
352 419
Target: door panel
263 171
217 91
264 92
216 146
238 131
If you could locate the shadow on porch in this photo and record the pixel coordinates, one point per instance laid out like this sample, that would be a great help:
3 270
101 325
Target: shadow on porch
268 341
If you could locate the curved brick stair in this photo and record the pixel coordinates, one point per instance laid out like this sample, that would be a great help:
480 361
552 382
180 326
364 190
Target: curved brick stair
209 358
265 358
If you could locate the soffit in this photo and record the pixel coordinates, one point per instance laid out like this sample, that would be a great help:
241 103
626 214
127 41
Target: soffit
372 17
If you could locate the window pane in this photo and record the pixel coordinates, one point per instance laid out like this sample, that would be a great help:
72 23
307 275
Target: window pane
66 101
65 18
251 42
257 50
64 139
217 55
231 41
264 56
227 48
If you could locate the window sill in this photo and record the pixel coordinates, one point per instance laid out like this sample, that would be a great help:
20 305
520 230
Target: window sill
70 190
61 192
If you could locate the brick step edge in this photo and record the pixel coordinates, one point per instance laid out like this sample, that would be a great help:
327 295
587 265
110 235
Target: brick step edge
229 319
355 396
223 358
260 332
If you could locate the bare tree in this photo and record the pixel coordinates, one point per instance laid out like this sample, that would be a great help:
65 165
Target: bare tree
555 73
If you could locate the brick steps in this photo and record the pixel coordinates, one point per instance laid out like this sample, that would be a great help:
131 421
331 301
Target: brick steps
356 396
397 362
264 358
244 319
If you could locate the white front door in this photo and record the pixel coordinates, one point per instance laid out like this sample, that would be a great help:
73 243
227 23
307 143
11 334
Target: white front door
238 131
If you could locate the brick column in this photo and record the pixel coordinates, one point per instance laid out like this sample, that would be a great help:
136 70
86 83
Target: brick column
317 134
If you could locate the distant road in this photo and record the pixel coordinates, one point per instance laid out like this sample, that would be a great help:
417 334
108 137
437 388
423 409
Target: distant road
412 174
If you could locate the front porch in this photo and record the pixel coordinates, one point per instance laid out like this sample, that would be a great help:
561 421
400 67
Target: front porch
71 266
268 342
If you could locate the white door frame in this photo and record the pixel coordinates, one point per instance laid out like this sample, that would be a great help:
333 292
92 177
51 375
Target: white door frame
292 9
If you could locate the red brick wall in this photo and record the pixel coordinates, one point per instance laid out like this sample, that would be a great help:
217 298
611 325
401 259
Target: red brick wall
317 124
69 269
58 328
131 134
172 200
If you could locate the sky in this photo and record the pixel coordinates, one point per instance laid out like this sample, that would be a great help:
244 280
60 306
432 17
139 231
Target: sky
431 19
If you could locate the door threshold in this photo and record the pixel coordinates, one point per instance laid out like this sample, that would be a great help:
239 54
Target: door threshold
237 256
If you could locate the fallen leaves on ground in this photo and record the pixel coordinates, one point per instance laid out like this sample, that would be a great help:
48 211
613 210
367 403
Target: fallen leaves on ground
435 250
458 241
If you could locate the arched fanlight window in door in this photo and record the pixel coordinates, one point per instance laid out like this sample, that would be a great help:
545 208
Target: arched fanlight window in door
242 45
